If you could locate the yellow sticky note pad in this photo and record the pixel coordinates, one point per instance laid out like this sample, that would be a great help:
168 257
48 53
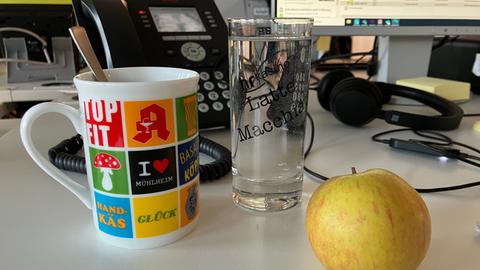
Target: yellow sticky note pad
451 90
323 43
476 126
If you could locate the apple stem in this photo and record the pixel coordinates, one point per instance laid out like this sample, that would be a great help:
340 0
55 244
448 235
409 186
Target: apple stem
354 171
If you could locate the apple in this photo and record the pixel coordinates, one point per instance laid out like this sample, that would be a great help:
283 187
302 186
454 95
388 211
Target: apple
368 220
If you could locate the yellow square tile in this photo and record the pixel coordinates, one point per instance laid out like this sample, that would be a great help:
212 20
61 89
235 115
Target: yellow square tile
156 215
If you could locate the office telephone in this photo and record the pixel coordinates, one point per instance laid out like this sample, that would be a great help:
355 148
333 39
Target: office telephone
175 33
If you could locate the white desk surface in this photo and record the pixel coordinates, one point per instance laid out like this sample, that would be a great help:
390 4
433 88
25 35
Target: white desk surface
43 226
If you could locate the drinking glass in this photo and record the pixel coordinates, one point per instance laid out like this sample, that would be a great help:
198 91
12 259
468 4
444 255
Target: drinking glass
269 79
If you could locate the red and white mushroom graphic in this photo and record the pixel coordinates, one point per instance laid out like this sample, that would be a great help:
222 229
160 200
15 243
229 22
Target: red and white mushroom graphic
106 163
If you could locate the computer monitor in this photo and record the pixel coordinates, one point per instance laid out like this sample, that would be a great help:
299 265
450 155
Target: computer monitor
405 27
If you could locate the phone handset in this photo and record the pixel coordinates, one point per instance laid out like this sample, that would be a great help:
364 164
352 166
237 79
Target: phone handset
111 31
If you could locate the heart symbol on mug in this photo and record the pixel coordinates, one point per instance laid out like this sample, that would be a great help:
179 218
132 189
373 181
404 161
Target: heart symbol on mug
161 165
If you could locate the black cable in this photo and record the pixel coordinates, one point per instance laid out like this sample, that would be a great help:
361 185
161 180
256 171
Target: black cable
222 164
441 142
312 135
309 147
441 147
63 157
448 188
315 174
320 63
340 56
360 59
340 65
471 114
440 43
442 139
429 134
425 133
313 85
443 41
466 146
476 164
445 141
372 65
316 78
375 137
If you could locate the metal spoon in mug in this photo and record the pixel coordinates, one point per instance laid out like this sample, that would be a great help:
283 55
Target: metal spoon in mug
80 38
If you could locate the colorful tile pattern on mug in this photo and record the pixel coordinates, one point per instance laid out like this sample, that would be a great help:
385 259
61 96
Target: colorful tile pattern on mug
144 161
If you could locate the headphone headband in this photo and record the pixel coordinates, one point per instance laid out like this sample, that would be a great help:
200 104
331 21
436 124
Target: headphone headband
356 102
451 113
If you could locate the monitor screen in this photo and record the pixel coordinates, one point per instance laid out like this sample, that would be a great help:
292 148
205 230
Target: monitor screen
176 19
386 16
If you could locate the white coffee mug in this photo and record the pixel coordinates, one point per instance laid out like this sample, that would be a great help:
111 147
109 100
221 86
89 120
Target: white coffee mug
140 133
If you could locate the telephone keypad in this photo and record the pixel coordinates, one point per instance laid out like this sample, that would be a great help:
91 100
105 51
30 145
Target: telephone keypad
213 95
204 76
209 86
200 97
218 75
217 106
203 107
222 85
226 94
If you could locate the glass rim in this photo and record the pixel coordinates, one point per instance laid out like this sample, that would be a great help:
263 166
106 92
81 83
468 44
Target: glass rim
292 20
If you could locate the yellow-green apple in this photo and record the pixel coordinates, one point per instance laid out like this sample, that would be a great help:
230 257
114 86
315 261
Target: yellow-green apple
368 220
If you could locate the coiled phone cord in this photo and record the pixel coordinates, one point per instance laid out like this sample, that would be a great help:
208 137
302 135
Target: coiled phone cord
63 157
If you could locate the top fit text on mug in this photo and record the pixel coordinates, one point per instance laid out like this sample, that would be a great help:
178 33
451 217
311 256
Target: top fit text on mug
140 133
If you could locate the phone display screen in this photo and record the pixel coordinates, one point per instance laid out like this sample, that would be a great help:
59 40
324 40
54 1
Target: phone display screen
176 19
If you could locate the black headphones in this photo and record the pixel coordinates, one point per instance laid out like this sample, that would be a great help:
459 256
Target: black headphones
357 102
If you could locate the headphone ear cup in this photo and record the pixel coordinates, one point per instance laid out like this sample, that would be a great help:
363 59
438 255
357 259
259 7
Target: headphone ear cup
377 92
327 83
355 101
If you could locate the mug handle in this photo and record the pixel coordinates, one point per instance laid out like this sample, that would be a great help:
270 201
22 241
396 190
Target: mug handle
26 134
